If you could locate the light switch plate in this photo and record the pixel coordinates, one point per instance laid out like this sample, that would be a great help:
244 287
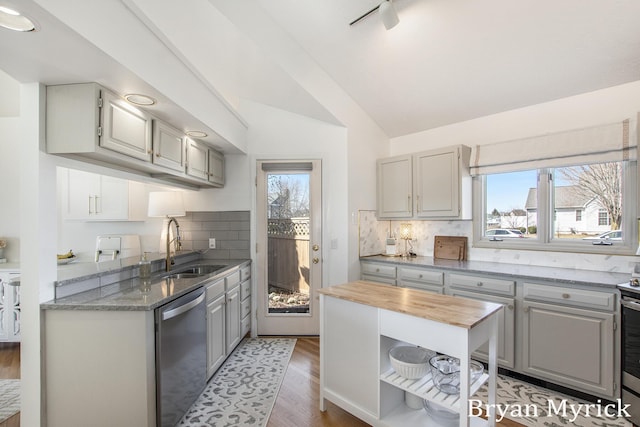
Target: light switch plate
212 243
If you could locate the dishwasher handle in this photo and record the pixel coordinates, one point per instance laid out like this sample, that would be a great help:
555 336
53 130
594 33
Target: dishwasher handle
166 315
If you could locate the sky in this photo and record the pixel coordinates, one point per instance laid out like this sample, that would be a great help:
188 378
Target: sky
507 191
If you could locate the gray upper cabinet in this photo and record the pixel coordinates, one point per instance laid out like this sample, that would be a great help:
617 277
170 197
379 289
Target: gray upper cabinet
168 146
90 123
395 187
204 163
125 129
432 184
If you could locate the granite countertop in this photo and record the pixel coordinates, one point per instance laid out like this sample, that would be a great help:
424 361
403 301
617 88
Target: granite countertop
460 312
532 272
135 294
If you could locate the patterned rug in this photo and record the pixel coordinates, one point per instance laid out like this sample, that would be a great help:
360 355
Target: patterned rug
9 399
243 391
535 406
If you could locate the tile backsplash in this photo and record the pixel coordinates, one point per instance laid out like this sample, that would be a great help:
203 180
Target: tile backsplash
372 235
229 228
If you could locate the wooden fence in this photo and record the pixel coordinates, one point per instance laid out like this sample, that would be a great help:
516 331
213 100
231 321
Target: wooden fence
288 254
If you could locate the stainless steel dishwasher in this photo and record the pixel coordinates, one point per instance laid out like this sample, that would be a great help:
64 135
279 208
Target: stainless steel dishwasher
181 356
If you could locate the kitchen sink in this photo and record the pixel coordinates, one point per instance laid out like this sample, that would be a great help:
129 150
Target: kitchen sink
193 271
199 270
182 276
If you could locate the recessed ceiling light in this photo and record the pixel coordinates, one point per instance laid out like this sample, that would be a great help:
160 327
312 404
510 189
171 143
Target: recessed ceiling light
15 21
196 134
138 99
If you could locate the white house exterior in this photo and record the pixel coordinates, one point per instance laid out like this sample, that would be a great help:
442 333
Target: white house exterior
574 214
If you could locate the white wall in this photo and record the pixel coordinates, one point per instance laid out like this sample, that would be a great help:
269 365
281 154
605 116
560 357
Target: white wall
604 106
277 134
9 186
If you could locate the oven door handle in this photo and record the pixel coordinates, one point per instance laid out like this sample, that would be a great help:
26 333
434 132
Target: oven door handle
633 305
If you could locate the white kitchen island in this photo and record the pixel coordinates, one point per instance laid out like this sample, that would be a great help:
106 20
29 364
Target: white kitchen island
361 321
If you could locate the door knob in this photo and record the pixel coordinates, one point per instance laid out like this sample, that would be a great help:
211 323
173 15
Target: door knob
315 247
316 260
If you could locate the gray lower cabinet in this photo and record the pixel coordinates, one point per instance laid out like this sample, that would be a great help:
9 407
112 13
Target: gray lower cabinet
506 328
570 345
216 325
233 325
378 272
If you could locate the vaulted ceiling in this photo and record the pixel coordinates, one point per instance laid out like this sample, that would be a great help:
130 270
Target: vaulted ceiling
446 61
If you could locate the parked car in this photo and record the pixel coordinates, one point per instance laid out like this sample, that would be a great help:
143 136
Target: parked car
609 235
503 232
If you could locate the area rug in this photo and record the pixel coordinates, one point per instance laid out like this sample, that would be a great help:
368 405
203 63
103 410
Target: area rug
535 406
9 399
243 391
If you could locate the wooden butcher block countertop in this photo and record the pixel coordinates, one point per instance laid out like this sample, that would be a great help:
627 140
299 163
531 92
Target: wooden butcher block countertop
456 311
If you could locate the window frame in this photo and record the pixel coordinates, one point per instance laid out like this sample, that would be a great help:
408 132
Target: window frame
545 240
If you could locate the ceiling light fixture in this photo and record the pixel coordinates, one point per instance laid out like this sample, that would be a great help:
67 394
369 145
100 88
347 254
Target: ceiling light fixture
138 99
14 20
388 14
196 134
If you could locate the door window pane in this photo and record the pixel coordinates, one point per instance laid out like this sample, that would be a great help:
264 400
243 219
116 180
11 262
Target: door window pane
288 242
511 202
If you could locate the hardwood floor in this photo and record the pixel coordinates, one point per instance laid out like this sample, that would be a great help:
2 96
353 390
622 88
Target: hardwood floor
9 370
298 400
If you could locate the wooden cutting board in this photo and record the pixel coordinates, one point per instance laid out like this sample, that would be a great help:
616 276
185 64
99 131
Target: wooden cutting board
450 247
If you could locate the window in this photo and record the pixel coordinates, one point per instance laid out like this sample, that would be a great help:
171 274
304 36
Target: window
575 208
603 217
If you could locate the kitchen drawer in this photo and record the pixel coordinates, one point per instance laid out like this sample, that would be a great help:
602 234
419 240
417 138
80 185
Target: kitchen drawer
215 289
570 296
378 279
245 325
381 270
421 276
245 289
232 280
245 273
483 284
245 308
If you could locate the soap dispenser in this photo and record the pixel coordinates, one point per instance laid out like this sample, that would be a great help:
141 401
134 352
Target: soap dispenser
145 267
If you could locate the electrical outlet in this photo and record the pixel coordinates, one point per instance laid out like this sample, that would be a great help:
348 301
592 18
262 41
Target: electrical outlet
212 243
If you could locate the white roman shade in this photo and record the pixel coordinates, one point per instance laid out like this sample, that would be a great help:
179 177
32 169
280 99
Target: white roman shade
603 143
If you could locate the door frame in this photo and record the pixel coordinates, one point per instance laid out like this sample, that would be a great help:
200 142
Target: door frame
290 323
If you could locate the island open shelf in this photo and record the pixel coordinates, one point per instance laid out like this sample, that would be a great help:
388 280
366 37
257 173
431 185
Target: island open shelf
362 321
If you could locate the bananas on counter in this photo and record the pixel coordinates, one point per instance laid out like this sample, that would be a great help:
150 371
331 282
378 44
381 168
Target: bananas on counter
67 255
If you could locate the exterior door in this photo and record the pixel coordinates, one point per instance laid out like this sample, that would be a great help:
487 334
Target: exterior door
289 247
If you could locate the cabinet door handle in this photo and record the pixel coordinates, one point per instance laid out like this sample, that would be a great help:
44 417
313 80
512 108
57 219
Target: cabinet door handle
510 306
95 203
480 284
418 203
409 203
157 154
90 205
526 309
316 260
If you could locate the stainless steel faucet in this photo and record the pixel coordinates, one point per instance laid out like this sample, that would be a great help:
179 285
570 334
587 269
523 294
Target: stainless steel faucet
178 244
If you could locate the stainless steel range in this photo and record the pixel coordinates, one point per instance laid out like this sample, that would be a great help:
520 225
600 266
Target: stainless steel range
630 302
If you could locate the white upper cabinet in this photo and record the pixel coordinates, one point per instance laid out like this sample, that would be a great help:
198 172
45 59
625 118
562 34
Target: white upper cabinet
90 123
168 146
91 197
125 129
432 184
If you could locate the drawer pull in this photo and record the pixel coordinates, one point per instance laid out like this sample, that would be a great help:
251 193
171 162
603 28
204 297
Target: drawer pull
566 296
479 284
420 276
377 270
510 306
